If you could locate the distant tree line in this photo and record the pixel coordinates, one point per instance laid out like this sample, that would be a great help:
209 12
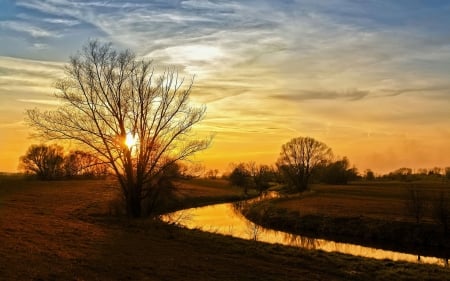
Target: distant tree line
302 160
409 174
51 162
251 175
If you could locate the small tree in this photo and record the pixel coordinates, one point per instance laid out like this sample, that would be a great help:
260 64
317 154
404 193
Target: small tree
404 174
212 174
84 164
261 175
46 162
338 172
447 173
240 177
369 175
415 204
191 170
115 107
299 157
436 171
441 211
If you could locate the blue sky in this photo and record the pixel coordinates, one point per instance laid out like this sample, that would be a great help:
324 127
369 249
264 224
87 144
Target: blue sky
369 78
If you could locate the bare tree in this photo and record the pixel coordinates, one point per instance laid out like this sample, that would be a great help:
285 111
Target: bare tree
261 175
299 157
415 204
44 161
369 175
115 106
447 173
441 211
81 163
212 173
191 170
240 176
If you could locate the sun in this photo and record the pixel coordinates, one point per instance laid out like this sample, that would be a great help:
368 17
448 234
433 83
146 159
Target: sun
130 140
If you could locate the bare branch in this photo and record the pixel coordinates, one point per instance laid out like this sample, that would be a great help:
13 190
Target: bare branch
108 94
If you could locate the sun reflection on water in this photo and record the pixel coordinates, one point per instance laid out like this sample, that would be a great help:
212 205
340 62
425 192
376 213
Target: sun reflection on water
224 219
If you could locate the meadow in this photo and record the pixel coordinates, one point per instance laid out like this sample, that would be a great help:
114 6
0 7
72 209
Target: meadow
64 230
372 213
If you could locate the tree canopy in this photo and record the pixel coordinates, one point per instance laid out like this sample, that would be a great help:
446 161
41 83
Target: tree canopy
46 162
299 157
115 106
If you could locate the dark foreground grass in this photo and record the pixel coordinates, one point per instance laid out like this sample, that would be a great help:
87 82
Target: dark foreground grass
61 231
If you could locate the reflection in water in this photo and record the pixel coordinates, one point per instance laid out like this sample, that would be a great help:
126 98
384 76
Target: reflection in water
301 241
226 219
252 230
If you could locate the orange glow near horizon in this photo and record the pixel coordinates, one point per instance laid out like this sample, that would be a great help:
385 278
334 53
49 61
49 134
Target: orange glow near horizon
370 82
248 128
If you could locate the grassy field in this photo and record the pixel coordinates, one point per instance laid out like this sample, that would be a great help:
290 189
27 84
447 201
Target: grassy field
380 200
200 192
62 230
370 213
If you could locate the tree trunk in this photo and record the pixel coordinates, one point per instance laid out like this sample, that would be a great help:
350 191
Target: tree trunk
304 183
133 202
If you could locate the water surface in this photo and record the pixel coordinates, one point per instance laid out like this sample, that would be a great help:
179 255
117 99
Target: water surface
226 219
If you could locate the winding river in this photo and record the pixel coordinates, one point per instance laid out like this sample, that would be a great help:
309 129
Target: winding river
227 220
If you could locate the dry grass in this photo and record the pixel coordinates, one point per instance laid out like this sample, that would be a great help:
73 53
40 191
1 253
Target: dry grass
206 188
378 200
373 214
60 231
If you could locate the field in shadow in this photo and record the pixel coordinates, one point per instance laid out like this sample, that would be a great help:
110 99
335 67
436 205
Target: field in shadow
63 231
369 213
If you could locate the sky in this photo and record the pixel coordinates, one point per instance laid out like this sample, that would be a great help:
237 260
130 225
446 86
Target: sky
371 79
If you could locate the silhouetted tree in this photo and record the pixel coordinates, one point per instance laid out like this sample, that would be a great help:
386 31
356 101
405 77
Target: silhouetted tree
44 161
441 211
422 171
164 189
447 173
338 172
404 174
261 175
415 204
191 170
241 177
84 164
115 107
299 157
212 173
369 175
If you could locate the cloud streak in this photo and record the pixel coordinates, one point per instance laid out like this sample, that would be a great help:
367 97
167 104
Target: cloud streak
33 31
303 95
338 70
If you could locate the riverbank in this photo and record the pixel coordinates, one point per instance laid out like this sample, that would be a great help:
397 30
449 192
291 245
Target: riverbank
371 215
63 231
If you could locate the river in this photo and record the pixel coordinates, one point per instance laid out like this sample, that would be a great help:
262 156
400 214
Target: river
227 220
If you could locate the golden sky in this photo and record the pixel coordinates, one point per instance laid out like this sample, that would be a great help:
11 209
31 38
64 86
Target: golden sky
370 79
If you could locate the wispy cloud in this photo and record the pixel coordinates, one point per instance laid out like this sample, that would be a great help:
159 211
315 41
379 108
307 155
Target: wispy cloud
436 91
302 95
40 46
338 70
67 22
34 31
45 102
27 79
